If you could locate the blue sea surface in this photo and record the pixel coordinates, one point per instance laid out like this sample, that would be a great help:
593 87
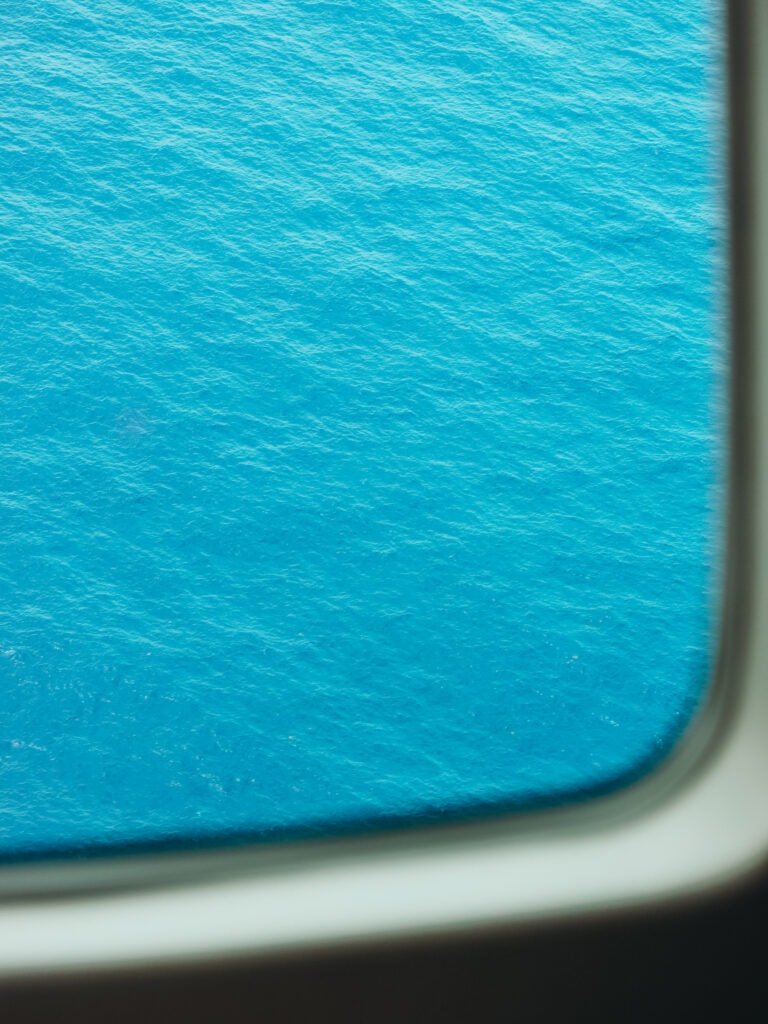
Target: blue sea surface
361 448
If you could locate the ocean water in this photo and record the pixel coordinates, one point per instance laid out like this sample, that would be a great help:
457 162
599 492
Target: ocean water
361 449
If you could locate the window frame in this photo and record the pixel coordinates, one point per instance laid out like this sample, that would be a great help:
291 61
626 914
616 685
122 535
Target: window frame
694 827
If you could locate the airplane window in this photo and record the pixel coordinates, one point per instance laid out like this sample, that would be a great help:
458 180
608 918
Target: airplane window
362 447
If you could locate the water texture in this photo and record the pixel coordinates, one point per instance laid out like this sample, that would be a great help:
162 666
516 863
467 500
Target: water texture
361 390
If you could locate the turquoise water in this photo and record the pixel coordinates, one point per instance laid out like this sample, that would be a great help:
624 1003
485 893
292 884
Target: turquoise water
361 394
